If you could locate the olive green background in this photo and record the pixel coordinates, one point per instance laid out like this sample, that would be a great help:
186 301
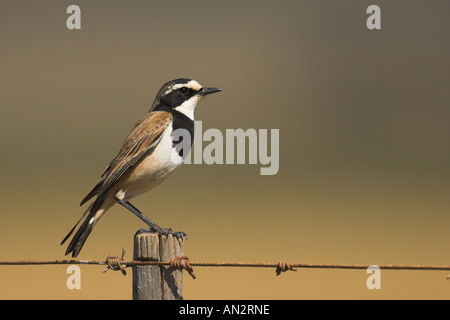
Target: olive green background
364 130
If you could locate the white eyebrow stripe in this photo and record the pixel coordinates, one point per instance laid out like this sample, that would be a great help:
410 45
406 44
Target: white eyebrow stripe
191 84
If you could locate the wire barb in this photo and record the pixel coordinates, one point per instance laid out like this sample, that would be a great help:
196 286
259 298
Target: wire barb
114 263
182 262
284 266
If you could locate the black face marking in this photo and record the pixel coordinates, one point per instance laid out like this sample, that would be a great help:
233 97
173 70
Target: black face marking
170 100
177 97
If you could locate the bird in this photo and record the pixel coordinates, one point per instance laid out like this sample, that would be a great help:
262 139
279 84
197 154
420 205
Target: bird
148 156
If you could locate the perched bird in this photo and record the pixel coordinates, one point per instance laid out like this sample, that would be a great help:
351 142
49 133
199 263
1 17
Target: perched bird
148 157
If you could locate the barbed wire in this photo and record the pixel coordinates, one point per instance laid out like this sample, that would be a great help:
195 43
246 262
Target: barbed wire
229 264
116 263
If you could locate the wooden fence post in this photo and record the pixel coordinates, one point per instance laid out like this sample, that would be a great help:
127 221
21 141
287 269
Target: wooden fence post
156 282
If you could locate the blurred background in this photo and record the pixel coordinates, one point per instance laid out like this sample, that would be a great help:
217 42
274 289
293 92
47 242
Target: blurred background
364 142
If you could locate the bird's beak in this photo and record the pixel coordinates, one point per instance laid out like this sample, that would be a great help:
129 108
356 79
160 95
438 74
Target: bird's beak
206 91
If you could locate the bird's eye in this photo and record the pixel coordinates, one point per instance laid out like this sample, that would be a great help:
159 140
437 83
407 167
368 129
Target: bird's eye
184 90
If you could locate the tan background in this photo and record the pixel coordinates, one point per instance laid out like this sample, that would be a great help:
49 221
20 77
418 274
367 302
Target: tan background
364 127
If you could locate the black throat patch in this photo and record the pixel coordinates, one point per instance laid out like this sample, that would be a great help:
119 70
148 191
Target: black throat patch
180 121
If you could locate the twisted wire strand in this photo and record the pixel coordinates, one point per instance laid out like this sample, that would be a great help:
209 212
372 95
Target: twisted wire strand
229 264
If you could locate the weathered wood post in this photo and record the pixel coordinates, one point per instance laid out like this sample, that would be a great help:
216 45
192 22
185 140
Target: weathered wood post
156 282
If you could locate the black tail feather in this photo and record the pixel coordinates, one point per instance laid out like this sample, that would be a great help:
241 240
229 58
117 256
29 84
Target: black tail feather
79 239
83 232
74 227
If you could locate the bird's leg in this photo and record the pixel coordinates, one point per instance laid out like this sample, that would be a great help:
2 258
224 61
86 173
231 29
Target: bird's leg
153 226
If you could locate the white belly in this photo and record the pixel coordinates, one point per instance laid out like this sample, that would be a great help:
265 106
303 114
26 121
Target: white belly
153 169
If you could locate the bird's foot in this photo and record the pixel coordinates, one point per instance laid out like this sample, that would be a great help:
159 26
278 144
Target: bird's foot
165 232
177 234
